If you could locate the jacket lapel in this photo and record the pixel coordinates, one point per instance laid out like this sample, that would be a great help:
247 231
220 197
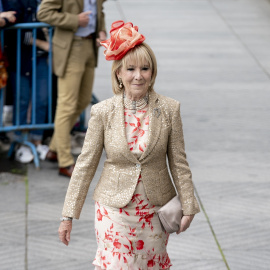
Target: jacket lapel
119 124
155 120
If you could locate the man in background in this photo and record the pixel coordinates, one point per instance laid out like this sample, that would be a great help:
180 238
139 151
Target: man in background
79 27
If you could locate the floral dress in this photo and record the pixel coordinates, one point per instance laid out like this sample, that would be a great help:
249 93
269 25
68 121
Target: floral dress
131 237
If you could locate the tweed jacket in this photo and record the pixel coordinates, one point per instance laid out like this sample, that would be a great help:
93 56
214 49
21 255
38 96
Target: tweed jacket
106 130
63 14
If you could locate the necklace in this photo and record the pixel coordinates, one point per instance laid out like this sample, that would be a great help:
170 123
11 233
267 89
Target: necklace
135 105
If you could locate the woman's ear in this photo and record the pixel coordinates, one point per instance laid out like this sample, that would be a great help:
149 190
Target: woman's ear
118 73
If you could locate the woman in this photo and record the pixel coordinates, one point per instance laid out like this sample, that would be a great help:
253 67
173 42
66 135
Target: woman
138 129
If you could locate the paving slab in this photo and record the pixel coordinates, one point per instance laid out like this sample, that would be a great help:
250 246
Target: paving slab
13 221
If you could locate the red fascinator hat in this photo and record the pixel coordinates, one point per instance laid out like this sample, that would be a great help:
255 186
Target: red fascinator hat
124 36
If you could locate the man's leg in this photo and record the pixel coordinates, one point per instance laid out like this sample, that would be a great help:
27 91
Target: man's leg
66 111
85 94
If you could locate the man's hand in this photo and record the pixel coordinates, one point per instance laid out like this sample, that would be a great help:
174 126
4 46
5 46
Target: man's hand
185 223
84 18
10 15
64 231
101 37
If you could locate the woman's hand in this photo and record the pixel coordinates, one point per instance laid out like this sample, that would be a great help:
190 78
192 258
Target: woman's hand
185 223
64 231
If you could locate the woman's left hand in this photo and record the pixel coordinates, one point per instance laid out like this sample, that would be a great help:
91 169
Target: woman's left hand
185 223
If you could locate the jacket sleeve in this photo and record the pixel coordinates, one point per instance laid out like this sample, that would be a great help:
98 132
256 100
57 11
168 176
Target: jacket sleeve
85 167
179 167
50 12
101 19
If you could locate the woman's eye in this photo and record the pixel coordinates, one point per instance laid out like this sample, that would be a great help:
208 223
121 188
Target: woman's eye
145 68
130 69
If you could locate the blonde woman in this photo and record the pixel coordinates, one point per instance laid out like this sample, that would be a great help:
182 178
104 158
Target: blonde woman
139 129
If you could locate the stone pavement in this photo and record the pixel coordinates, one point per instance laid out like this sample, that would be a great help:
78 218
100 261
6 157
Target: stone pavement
214 57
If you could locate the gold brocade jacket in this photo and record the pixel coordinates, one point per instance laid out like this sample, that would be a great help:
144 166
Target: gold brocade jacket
106 130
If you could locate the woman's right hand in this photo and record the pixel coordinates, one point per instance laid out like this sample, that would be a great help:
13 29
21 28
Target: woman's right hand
64 231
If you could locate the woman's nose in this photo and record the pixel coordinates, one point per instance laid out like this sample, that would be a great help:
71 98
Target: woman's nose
138 75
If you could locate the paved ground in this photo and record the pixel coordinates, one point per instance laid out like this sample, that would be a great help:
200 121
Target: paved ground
214 57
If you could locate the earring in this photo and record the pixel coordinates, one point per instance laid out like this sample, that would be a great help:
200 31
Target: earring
120 83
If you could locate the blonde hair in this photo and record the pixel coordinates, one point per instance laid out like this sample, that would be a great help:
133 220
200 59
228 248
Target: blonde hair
140 54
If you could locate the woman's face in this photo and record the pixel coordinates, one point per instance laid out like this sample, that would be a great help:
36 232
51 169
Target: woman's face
136 79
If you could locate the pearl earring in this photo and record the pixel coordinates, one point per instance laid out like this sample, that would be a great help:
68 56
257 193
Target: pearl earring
120 83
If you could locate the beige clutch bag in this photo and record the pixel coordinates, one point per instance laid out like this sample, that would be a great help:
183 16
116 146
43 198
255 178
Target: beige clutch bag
170 215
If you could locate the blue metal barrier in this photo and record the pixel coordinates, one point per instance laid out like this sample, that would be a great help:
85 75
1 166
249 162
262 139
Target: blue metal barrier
33 125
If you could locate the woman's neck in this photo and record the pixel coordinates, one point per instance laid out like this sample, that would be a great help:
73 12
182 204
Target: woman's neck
134 97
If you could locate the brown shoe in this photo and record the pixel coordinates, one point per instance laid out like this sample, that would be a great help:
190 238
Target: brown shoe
66 171
51 156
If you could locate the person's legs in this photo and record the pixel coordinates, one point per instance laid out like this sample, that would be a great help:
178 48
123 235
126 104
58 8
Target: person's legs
85 93
24 98
41 98
84 99
25 95
23 153
66 111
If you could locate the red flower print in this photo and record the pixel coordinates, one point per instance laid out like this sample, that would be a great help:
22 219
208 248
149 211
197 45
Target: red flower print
126 213
134 130
146 120
108 236
141 132
150 263
132 124
149 217
140 147
99 215
137 118
105 212
139 244
117 244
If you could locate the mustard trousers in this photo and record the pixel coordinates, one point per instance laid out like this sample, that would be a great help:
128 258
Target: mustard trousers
74 95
